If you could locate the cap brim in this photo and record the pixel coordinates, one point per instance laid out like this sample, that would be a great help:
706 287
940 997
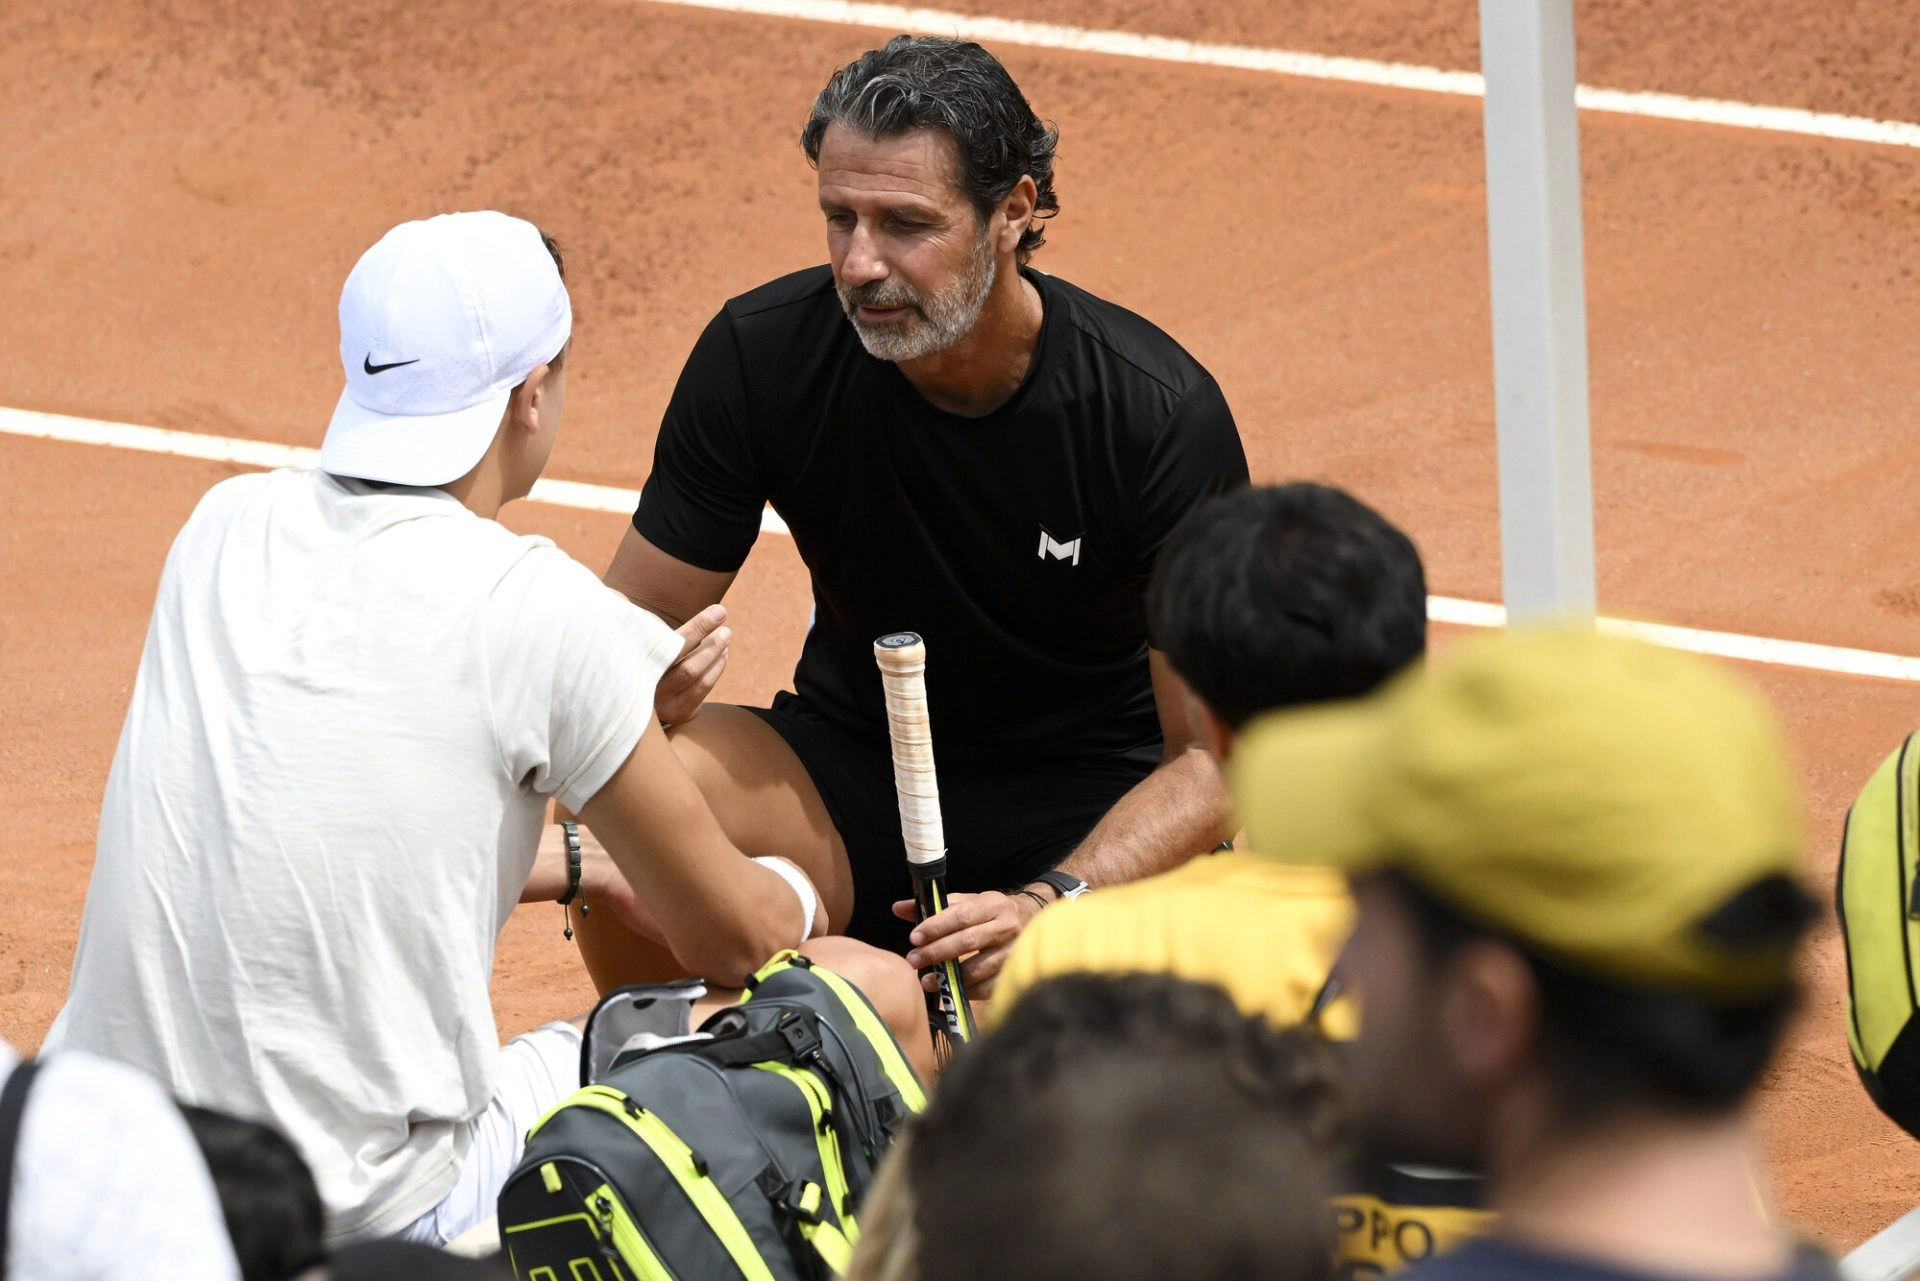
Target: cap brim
1300 782
409 449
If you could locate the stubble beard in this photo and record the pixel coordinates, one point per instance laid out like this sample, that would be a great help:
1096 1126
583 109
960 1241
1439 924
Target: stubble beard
935 323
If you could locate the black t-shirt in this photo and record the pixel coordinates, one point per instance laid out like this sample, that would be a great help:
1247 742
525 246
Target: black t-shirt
1017 543
1492 1259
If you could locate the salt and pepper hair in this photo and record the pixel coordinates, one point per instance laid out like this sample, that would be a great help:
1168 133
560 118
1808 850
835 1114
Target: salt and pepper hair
923 82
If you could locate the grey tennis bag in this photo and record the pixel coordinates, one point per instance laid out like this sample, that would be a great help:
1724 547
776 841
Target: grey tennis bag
741 1156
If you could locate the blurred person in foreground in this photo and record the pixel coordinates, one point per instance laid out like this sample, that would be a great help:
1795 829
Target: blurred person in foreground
1265 598
1130 1128
358 693
961 446
1576 862
272 1207
100 1178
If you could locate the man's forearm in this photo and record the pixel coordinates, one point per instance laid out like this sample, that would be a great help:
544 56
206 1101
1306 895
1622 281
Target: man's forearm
1179 810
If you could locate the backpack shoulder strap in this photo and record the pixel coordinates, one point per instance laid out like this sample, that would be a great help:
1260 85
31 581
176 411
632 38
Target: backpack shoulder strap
13 1103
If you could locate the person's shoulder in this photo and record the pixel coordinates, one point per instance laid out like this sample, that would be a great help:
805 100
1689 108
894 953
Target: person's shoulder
1096 918
796 296
539 585
1126 340
1254 872
236 491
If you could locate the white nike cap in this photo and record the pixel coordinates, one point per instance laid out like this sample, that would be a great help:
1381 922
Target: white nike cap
439 322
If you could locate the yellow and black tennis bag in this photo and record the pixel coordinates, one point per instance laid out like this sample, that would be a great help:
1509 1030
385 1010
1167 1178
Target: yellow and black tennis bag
739 1156
1878 899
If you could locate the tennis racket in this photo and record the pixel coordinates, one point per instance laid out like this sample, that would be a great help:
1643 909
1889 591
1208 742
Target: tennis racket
902 658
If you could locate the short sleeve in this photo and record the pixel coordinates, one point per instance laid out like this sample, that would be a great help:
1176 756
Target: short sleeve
571 668
1198 455
702 501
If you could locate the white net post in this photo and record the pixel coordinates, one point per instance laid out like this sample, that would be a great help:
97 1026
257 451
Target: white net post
1539 308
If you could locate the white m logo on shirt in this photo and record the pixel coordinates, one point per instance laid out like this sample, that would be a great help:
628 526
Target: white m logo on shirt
1049 546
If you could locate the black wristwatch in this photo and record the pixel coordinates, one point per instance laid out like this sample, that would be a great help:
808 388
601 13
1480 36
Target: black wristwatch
1065 884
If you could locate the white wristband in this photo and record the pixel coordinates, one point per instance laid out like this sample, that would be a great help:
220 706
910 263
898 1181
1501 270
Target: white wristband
802 887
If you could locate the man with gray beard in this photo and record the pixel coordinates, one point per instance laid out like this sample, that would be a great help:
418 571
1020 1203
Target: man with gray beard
963 447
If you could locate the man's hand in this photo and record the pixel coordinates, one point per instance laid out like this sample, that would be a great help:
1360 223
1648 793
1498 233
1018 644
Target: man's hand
688 682
985 925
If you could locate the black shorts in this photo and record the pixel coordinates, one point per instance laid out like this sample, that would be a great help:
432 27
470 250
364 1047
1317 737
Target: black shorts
1002 829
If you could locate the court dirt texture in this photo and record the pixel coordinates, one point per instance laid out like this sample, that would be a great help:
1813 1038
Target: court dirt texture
185 185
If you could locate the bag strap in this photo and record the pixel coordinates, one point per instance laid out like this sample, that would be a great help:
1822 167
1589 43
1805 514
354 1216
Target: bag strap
795 1039
13 1103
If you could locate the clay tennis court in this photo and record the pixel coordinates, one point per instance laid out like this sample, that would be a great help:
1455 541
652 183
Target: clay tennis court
183 187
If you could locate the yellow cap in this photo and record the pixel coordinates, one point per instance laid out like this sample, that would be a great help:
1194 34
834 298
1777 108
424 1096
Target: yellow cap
1591 798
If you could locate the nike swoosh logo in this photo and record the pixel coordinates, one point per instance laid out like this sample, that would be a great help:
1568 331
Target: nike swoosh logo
372 368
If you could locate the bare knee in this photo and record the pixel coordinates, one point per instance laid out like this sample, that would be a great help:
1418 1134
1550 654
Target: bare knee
892 987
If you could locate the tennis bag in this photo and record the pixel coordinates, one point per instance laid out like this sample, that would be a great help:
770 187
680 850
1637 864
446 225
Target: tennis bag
1878 897
740 1156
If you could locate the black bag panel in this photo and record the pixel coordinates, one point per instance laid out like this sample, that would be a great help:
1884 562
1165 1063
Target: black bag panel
869 1111
663 1210
1895 1088
560 1228
752 1132
866 1111
735 1124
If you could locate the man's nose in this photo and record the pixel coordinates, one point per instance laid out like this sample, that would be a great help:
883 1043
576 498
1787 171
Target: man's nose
863 264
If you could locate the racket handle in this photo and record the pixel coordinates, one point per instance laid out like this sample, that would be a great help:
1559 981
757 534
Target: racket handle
949 1013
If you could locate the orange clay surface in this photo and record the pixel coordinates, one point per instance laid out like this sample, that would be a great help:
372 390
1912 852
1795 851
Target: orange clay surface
184 186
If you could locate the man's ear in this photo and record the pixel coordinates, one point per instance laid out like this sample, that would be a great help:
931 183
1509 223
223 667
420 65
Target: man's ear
523 411
1017 211
1490 1012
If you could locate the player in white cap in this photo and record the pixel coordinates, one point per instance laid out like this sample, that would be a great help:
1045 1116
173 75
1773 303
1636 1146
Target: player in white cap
358 693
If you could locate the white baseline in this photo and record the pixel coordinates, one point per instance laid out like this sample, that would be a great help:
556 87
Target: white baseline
1311 66
609 498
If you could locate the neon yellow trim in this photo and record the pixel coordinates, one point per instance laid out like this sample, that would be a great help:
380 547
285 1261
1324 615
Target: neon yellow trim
819 1104
548 1115
892 1061
588 1270
632 1244
781 961
830 1244
961 1014
678 1158
550 1176
509 1229
543 1274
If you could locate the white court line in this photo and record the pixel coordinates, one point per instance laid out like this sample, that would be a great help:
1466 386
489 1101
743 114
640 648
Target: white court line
268 454
1313 66
609 498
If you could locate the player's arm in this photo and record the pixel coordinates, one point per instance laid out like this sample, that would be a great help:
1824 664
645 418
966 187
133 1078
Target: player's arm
1177 811
685 597
673 869
699 515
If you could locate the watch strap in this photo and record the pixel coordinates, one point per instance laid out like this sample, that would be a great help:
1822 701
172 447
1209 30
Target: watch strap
1065 884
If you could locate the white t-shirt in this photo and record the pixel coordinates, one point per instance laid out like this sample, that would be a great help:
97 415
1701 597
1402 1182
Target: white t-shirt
352 706
108 1184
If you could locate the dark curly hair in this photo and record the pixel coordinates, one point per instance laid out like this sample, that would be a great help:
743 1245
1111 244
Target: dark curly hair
924 82
1163 1133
